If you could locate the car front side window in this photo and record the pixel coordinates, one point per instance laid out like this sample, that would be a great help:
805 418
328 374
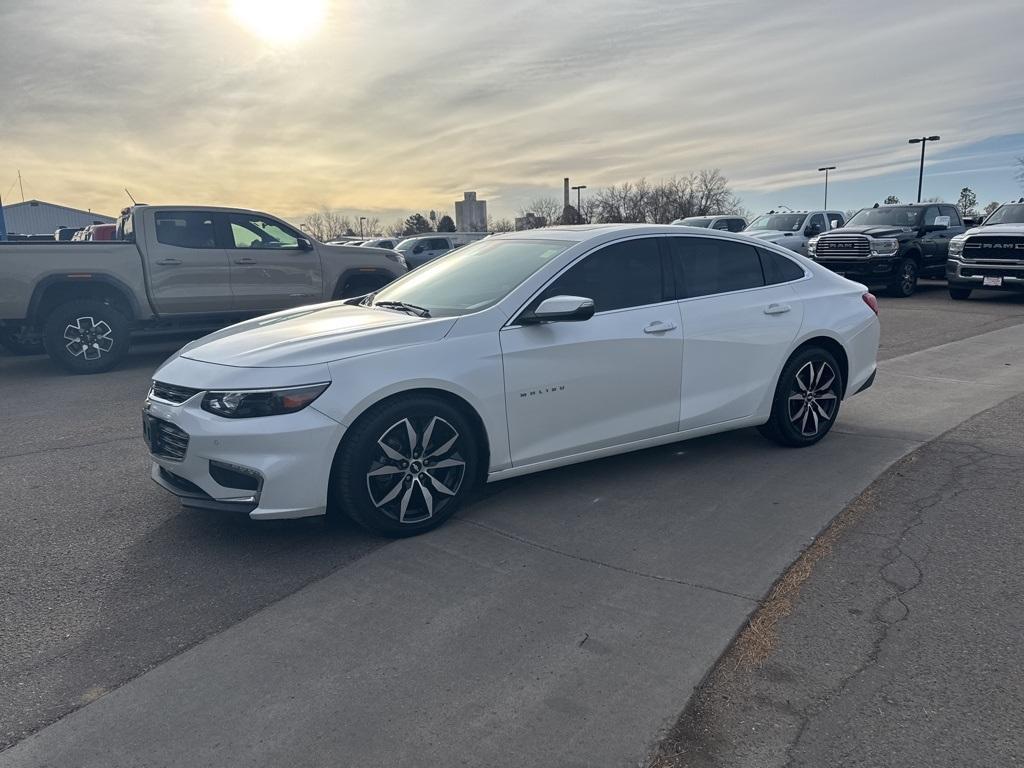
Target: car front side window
618 276
260 232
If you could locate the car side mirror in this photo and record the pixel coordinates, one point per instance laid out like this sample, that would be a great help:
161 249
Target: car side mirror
304 244
560 309
811 230
418 249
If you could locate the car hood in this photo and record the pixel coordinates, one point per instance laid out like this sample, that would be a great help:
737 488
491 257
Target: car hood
997 229
872 230
315 334
772 235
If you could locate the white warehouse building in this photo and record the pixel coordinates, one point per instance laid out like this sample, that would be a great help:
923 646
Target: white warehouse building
34 217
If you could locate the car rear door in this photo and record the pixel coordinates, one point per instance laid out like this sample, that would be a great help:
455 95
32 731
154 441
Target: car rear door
572 387
271 267
187 268
737 326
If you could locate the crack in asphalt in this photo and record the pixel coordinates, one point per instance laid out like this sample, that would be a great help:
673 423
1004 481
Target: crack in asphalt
48 449
601 563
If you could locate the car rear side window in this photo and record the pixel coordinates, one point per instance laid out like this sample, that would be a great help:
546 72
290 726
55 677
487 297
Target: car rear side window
185 229
618 276
705 266
737 225
778 269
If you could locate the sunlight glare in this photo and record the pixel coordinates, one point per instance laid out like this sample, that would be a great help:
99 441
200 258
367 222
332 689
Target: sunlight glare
280 22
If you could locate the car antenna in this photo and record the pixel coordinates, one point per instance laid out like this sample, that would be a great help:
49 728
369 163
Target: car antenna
130 196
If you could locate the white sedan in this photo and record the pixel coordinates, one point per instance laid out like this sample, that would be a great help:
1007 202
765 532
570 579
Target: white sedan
518 353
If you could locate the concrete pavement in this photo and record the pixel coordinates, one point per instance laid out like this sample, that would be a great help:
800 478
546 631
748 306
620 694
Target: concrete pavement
563 619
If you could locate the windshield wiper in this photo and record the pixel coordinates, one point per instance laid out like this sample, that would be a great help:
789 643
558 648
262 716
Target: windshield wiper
403 306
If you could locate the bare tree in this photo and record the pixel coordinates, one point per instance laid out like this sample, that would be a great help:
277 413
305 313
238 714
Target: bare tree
372 227
546 207
499 225
325 225
703 193
891 200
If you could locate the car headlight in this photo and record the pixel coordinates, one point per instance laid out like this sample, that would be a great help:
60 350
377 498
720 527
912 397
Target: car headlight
884 246
956 246
246 404
812 246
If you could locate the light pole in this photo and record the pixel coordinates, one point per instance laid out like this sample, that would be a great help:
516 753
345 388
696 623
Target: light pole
826 169
361 220
923 141
579 190
783 205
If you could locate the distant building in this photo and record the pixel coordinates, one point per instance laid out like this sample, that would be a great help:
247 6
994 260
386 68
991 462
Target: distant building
530 221
471 214
34 217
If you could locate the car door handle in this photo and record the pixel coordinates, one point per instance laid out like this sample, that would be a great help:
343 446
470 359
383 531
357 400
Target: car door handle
777 309
659 327
245 260
168 262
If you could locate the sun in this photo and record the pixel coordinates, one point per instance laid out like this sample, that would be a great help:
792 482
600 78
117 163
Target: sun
280 22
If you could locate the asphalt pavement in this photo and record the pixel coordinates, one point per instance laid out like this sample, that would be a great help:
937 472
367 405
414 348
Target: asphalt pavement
904 644
555 607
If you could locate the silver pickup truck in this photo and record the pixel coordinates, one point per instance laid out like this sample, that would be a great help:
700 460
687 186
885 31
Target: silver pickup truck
173 268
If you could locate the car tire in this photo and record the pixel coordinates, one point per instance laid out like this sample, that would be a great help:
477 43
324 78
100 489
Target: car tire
906 282
959 294
405 466
807 399
86 336
21 340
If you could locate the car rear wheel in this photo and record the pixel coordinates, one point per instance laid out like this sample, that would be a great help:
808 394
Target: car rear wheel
906 282
959 294
806 399
405 466
86 336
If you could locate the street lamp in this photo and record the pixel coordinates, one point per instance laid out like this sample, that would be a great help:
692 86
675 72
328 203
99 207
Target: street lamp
783 205
923 141
826 169
579 189
361 220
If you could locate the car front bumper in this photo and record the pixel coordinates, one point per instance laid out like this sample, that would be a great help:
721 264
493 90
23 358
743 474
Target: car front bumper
267 467
874 270
962 274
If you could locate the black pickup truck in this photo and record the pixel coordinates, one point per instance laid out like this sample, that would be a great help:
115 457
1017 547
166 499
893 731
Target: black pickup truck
891 245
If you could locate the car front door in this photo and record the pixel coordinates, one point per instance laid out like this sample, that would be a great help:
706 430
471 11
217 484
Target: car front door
737 326
188 271
271 267
572 387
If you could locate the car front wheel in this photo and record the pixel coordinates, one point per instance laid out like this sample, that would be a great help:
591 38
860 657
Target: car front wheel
405 466
806 399
86 336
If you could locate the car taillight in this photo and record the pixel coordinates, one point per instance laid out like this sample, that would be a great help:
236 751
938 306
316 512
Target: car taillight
871 301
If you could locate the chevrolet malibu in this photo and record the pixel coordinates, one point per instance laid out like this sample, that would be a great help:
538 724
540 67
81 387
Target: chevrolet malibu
518 353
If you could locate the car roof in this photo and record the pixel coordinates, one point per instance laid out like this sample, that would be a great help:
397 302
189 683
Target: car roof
599 232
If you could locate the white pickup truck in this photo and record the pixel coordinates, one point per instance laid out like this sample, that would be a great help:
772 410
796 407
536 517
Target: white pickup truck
172 268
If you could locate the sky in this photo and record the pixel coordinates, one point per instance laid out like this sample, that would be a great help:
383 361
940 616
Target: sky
384 107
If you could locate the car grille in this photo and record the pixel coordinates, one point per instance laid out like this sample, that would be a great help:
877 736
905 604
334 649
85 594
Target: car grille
171 393
165 439
842 245
994 248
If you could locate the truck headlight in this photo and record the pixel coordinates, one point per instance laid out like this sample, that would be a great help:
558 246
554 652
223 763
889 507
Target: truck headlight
812 246
246 404
956 246
884 246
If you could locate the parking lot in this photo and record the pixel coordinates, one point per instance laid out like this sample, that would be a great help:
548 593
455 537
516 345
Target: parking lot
615 582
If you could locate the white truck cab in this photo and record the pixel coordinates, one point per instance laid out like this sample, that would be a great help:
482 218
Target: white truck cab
792 229
419 249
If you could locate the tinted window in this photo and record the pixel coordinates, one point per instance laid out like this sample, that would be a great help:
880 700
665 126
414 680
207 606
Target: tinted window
737 225
260 232
185 229
721 224
929 215
705 266
437 244
953 213
835 220
778 269
622 275
818 220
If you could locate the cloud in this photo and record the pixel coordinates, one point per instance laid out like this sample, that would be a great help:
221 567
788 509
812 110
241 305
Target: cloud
396 106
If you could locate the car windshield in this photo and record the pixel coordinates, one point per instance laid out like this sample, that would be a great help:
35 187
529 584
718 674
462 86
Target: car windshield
472 278
781 222
694 221
903 216
1011 213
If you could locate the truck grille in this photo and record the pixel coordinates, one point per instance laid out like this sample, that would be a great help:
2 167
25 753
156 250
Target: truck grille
994 248
171 393
165 439
842 245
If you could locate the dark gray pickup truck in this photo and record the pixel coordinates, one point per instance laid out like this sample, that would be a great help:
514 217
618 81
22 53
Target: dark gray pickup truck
173 268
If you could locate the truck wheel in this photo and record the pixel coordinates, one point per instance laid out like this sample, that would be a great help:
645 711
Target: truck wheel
959 294
906 283
86 336
21 340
